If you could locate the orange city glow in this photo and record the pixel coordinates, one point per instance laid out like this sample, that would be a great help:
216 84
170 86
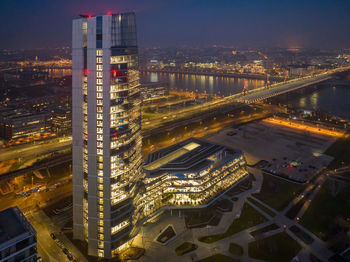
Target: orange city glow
304 127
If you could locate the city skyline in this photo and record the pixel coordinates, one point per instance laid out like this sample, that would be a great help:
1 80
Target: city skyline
290 24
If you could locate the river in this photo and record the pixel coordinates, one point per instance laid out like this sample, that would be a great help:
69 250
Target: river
222 86
334 100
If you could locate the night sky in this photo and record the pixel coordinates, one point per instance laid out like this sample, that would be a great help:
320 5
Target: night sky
241 23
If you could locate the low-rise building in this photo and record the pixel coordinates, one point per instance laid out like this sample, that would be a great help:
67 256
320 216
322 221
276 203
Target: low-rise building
17 237
16 123
153 90
190 174
61 120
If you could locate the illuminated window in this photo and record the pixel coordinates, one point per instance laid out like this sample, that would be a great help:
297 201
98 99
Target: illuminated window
99 95
99 151
99 81
99 116
99 88
100 194
99 109
99 67
99 52
99 130
120 226
98 60
99 74
100 252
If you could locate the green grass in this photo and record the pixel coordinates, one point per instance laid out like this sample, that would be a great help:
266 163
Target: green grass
217 258
167 234
265 209
340 150
235 249
294 210
249 218
184 248
264 230
276 248
327 211
277 192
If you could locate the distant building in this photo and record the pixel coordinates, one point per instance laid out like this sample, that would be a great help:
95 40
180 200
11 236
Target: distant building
61 121
27 77
300 70
17 237
191 174
153 90
16 123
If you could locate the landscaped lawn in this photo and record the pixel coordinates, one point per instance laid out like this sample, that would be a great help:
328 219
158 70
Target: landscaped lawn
249 218
265 209
340 150
263 230
217 258
328 212
294 210
277 192
167 234
276 248
235 249
185 248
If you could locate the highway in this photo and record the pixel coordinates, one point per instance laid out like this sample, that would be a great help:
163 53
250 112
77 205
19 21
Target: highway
261 94
281 88
38 148
173 118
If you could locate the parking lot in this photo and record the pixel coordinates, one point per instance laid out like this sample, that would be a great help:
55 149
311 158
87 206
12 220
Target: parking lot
288 152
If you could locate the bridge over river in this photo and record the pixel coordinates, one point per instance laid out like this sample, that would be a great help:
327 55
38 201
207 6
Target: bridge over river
285 87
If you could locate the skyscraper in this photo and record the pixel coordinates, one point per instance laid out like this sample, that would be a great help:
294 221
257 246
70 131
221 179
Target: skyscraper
106 130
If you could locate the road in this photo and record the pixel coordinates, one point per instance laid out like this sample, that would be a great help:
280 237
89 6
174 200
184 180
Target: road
34 149
281 88
251 97
47 247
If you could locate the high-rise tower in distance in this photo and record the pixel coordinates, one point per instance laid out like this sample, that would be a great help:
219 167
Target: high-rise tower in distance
106 130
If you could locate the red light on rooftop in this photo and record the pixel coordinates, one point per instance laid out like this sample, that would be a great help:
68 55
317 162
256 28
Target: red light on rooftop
89 15
86 71
109 13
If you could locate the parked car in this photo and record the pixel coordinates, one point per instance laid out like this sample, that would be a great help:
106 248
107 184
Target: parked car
65 250
53 236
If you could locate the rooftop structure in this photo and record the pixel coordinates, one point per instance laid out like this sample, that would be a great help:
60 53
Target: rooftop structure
17 237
